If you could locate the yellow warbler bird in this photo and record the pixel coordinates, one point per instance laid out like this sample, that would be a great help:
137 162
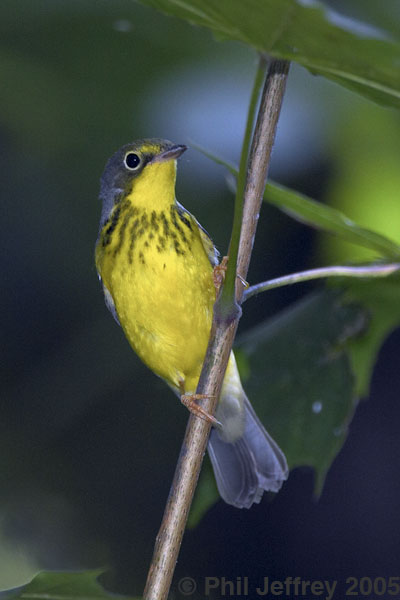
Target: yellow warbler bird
155 262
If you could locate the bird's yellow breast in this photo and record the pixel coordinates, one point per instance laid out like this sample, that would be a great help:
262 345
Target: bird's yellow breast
152 261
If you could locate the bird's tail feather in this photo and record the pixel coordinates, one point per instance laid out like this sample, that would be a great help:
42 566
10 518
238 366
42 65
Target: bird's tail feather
246 468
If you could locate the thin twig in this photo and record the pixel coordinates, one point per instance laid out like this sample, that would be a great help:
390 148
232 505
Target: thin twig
264 136
228 298
366 271
222 335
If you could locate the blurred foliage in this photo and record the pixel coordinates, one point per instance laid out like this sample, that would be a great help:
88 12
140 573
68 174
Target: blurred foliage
371 12
89 437
16 565
62 586
367 181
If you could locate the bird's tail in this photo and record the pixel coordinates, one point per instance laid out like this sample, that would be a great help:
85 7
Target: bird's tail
247 467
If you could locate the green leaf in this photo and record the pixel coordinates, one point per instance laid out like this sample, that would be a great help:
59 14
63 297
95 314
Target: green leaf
61 586
353 54
383 304
326 218
302 384
321 216
296 370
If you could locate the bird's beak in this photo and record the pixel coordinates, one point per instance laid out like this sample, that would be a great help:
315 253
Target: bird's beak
170 154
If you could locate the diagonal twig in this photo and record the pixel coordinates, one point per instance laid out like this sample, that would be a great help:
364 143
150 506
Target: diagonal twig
223 331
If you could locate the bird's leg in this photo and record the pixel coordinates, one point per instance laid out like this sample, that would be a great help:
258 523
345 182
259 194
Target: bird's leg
219 274
190 401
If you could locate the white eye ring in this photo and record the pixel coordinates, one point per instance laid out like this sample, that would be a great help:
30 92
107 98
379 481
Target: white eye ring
132 161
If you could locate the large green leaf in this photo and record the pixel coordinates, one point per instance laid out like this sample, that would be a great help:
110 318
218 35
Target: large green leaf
296 370
61 586
353 54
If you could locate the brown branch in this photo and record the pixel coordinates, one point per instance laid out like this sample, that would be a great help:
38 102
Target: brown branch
194 445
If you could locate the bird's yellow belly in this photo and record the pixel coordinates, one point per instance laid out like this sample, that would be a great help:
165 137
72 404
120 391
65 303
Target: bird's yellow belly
164 302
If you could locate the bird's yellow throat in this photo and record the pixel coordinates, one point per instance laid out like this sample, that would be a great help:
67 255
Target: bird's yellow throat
155 187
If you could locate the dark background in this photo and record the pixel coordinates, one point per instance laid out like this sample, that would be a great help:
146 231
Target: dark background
89 438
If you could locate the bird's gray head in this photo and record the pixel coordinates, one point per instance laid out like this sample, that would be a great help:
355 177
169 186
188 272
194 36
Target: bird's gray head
127 164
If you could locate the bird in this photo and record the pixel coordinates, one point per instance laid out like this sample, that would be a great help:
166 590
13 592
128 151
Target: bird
156 264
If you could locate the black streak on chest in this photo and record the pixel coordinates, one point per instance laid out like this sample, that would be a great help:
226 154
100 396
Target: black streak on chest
137 230
171 227
112 222
160 228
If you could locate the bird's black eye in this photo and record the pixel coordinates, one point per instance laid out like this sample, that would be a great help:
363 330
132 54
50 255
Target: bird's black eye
132 161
